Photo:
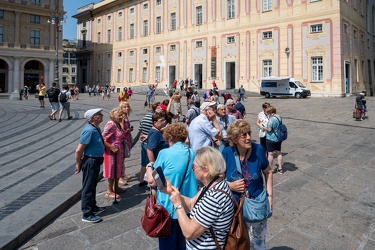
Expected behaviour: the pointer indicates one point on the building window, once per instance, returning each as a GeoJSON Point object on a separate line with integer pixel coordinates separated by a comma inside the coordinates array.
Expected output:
{"type": "Point", "coordinates": [119, 34]}
{"type": "Point", "coordinates": [109, 18]}
{"type": "Point", "coordinates": [73, 61]}
{"type": "Point", "coordinates": [118, 75]}
{"type": "Point", "coordinates": [73, 70]}
{"type": "Point", "coordinates": [109, 36]}
{"type": "Point", "coordinates": [173, 21]}
{"type": "Point", "coordinates": [199, 44]}
{"type": "Point", "coordinates": [99, 37]}
{"type": "Point", "coordinates": [119, 54]}
{"type": "Point", "coordinates": [267, 35]}
{"type": "Point", "coordinates": [199, 15]}
{"type": "Point", "coordinates": [84, 40]}
{"type": "Point", "coordinates": [132, 31]}
{"type": "Point", "coordinates": [355, 34]}
{"type": "Point", "coordinates": [231, 39]}
{"type": "Point", "coordinates": [64, 79]}
{"type": "Point", "coordinates": [345, 28]}
{"type": "Point", "coordinates": [120, 14]}
{"type": "Point", "coordinates": [1, 14]}
{"type": "Point", "coordinates": [157, 74]}
{"type": "Point", "coordinates": [108, 55]}
{"type": "Point", "coordinates": [1, 34]}
{"type": "Point", "coordinates": [99, 20]}
{"type": "Point", "coordinates": [267, 68]}
{"type": "Point", "coordinates": [316, 28]}
{"type": "Point", "coordinates": [267, 5]}
{"type": "Point", "coordinates": [230, 9]}
{"type": "Point", "coordinates": [158, 25]}
{"type": "Point", "coordinates": [131, 10]}
{"type": "Point", "coordinates": [158, 49]}
{"type": "Point", "coordinates": [108, 75]}
{"type": "Point", "coordinates": [317, 68]}
{"type": "Point", "coordinates": [158, 2]}
{"type": "Point", "coordinates": [131, 53]}
{"type": "Point", "coordinates": [34, 19]}
{"type": "Point", "coordinates": [35, 37]}
{"type": "Point", "coordinates": [131, 72]}
{"type": "Point", "coordinates": [98, 78]}
{"type": "Point", "coordinates": [173, 47]}
{"type": "Point", "coordinates": [145, 28]}
{"type": "Point", "coordinates": [145, 6]}
{"type": "Point", "coordinates": [35, 2]}
{"type": "Point", "coordinates": [73, 79]}
{"type": "Point", "coordinates": [65, 55]}
{"type": "Point", "coordinates": [144, 75]}
{"type": "Point", "coordinates": [65, 61]}
{"type": "Point", "coordinates": [73, 55]}
{"type": "Point", "coordinates": [66, 70]}
{"type": "Point", "coordinates": [98, 57]}
{"type": "Point", "coordinates": [145, 51]}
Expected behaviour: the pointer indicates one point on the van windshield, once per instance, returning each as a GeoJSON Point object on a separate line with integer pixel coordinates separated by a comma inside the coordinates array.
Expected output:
{"type": "Point", "coordinates": [299, 84]}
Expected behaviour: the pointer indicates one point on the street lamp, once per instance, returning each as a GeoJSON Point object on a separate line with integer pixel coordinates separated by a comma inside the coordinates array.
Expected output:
{"type": "Point", "coordinates": [58, 20]}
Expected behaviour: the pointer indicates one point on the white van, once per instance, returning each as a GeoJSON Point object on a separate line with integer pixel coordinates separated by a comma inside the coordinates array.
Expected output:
{"type": "Point", "coordinates": [283, 86]}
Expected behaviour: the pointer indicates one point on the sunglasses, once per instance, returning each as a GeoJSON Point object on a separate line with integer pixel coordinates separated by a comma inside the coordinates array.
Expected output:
{"type": "Point", "coordinates": [244, 135]}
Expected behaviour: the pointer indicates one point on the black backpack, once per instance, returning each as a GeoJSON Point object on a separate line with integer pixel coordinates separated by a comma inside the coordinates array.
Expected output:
{"type": "Point", "coordinates": [63, 97]}
{"type": "Point", "coordinates": [51, 92]}
{"type": "Point", "coordinates": [282, 131]}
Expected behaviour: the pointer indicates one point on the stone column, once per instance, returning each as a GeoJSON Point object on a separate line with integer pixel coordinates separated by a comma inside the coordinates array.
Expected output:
{"type": "Point", "coordinates": [15, 84]}
{"type": "Point", "coordinates": [17, 28]}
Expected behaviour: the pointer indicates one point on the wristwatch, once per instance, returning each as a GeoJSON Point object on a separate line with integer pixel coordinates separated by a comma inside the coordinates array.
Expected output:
{"type": "Point", "coordinates": [178, 207]}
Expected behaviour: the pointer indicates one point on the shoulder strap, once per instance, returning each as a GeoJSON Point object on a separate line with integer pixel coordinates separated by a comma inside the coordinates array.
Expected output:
{"type": "Point", "coordinates": [187, 166]}
{"type": "Point", "coordinates": [195, 110]}
{"type": "Point", "coordinates": [237, 159]}
{"type": "Point", "coordinates": [281, 122]}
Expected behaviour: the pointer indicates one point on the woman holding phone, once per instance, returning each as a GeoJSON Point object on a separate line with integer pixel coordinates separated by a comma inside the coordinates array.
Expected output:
{"type": "Point", "coordinates": [174, 162]}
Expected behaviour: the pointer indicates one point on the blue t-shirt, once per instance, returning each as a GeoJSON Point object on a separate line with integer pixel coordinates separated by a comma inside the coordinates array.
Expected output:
{"type": "Point", "coordinates": [173, 161]}
{"type": "Point", "coordinates": [274, 124]}
{"type": "Point", "coordinates": [150, 92]}
{"type": "Point", "coordinates": [156, 142]}
{"type": "Point", "coordinates": [252, 170]}
{"type": "Point", "coordinates": [91, 137]}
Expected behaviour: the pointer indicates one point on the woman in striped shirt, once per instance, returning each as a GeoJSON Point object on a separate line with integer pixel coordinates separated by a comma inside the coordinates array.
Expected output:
{"type": "Point", "coordinates": [210, 207]}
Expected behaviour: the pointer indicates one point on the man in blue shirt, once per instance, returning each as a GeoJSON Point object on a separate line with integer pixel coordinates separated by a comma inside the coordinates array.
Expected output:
{"type": "Point", "coordinates": [89, 157]}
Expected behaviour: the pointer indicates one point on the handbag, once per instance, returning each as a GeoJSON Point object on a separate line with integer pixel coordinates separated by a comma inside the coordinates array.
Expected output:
{"type": "Point", "coordinates": [262, 133]}
{"type": "Point", "coordinates": [238, 236]}
{"type": "Point", "coordinates": [127, 149]}
{"type": "Point", "coordinates": [146, 103]}
{"type": "Point", "coordinates": [254, 209]}
{"type": "Point", "coordinates": [257, 209]}
{"type": "Point", "coordinates": [157, 220]}
{"type": "Point", "coordinates": [356, 114]}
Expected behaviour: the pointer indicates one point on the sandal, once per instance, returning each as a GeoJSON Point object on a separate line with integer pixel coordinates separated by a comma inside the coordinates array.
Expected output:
{"type": "Point", "coordinates": [120, 190]}
{"type": "Point", "coordinates": [123, 182]}
{"type": "Point", "coordinates": [112, 196]}
{"type": "Point", "coordinates": [50, 117]}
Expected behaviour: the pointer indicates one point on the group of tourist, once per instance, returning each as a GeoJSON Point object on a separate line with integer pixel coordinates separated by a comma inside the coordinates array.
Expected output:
{"type": "Point", "coordinates": [198, 158]}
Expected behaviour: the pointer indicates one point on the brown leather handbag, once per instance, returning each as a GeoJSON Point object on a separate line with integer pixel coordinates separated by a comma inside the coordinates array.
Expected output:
{"type": "Point", "coordinates": [238, 236]}
{"type": "Point", "coordinates": [157, 221]}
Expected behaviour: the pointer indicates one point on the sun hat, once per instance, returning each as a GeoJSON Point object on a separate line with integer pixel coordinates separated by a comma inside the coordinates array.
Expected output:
{"type": "Point", "coordinates": [89, 113]}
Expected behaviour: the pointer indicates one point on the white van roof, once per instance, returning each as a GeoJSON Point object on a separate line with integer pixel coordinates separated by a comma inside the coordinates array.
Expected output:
{"type": "Point", "coordinates": [274, 78]}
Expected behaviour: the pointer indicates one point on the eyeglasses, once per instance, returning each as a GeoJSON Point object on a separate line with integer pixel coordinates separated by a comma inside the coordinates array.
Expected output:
{"type": "Point", "coordinates": [194, 167]}
{"type": "Point", "coordinates": [244, 135]}
{"type": "Point", "coordinates": [230, 105]}
{"type": "Point", "coordinates": [161, 120]}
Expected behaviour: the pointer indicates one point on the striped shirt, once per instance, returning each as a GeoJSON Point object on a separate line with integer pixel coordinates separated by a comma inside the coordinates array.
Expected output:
{"type": "Point", "coordinates": [214, 209]}
{"type": "Point", "coordinates": [146, 123]}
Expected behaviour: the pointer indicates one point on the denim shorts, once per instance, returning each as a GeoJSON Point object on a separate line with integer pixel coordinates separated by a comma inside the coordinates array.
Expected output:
{"type": "Point", "coordinates": [144, 157]}
{"type": "Point", "coordinates": [55, 105]}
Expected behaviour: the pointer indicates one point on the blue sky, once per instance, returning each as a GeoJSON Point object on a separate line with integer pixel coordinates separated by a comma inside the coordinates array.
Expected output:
{"type": "Point", "coordinates": [71, 8]}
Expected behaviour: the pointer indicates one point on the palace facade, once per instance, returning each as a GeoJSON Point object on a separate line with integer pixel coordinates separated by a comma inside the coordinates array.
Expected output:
{"type": "Point", "coordinates": [328, 45]}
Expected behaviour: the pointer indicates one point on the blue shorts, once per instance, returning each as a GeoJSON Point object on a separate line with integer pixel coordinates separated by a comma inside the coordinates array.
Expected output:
{"type": "Point", "coordinates": [55, 105]}
{"type": "Point", "coordinates": [144, 157]}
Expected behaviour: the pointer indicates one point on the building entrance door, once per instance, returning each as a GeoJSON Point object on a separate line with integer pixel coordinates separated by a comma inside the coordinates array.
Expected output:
{"type": "Point", "coordinates": [230, 75]}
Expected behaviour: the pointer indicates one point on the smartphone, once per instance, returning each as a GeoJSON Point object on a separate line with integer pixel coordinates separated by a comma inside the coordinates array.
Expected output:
{"type": "Point", "coordinates": [159, 177]}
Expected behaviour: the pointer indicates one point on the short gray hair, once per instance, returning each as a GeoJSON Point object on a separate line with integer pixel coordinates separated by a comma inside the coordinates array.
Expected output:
{"type": "Point", "coordinates": [212, 159]}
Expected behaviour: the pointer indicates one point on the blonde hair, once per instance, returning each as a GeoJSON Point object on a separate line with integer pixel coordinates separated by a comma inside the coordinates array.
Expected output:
{"type": "Point", "coordinates": [113, 111]}
{"type": "Point", "coordinates": [236, 128]}
{"type": "Point", "coordinates": [212, 159]}
{"type": "Point", "coordinates": [271, 110]}
{"type": "Point", "coordinates": [125, 103]}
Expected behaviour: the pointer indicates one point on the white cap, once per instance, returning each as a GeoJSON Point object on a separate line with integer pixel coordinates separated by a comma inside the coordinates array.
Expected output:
{"type": "Point", "coordinates": [229, 101]}
{"type": "Point", "coordinates": [89, 113]}
{"type": "Point", "coordinates": [206, 105]}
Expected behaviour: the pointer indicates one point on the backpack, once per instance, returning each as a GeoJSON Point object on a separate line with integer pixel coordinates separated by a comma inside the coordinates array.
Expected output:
{"type": "Point", "coordinates": [51, 92]}
{"type": "Point", "coordinates": [204, 95]}
{"type": "Point", "coordinates": [282, 131]}
{"type": "Point", "coordinates": [63, 97]}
